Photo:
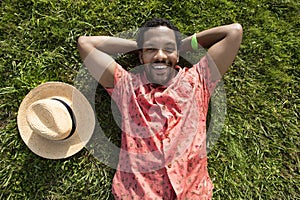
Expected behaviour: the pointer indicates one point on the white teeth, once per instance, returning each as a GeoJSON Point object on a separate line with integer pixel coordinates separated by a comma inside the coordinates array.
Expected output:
{"type": "Point", "coordinates": [160, 67]}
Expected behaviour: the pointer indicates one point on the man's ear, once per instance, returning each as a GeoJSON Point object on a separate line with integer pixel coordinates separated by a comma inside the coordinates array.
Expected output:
{"type": "Point", "coordinates": [141, 57]}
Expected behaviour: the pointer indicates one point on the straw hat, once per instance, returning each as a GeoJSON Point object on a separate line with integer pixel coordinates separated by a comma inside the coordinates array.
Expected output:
{"type": "Point", "coordinates": [55, 120]}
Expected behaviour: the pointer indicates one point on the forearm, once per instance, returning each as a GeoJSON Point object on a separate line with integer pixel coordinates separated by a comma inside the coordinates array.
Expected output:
{"type": "Point", "coordinates": [105, 44]}
{"type": "Point", "coordinates": [208, 38]}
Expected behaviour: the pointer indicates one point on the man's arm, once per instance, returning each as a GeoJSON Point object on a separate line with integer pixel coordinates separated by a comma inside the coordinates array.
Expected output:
{"type": "Point", "coordinates": [222, 43]}
{"type": "Point", "coordinates": [96, 52]}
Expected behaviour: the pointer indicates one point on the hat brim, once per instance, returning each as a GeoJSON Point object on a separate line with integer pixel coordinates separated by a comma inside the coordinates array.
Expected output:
{"type": "Point", "coordinates": [83, 112]}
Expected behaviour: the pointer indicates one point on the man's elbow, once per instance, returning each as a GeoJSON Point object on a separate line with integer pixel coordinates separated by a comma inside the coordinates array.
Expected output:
{"type": "Point", "coordinates": [82, 41]}
{"type": "Point", "coordinates": [237, 29]}
{"type": "Point", "coordinates": [83, 46]}
{"type": "Point", "coordinates": [235, 33]}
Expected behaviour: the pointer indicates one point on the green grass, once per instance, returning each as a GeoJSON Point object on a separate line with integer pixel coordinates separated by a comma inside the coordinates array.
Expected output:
{"type": "Point", "coordinates": [257, 155]}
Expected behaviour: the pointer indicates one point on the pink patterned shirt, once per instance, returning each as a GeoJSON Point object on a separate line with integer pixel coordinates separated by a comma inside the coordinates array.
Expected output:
{"type": "Point", "coordinates": [163, 148]}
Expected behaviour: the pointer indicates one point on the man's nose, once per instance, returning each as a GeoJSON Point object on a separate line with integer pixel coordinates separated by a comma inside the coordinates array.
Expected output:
{"type": "Point", "coordinates": [160, 54]}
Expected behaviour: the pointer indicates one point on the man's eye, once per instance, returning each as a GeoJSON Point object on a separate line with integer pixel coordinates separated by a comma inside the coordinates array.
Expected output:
{"type": "Point", "coordinates": [150, 49]}
{"type": "Point", "coordinates": [170, 50]}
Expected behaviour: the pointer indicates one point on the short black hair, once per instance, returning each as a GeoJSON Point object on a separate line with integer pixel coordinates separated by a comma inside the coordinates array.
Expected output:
{"type": "Point", "coordinates": [155, 22]}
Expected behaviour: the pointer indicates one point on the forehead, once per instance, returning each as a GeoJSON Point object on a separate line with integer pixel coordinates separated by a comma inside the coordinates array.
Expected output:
{"type": "Point", "coordinates": [159, 35]}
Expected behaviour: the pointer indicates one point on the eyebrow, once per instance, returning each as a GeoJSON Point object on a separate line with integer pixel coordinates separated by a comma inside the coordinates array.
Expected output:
{"type": "Point", "coordinates": [152, 44]}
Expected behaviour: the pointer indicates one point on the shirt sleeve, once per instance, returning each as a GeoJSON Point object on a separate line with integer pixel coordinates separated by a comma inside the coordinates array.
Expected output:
{"type": "Point", "coordinates": [118, 74]}
{"type": "Point", "coordinates": [204, 70]}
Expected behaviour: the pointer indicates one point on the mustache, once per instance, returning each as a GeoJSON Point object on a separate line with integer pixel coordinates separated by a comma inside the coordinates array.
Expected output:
{"type": "Point", "coordinates": [161, 62]}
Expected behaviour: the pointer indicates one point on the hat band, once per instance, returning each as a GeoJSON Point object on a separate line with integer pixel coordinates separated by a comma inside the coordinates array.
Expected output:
{"type": "Point", "coordinates": [71, 115]}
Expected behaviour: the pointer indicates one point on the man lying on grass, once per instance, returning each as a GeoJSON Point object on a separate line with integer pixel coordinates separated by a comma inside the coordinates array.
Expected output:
{"type": "Point", "coordinates": [163, 106]}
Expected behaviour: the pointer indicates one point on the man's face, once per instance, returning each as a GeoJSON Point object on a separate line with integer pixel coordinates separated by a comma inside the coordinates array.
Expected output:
{"type": "Point", "coordinates": [159, 54]}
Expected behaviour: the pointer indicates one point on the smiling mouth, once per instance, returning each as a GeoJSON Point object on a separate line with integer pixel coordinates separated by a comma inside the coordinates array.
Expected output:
{"type": "Point", "coordinates": [159, 66]}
